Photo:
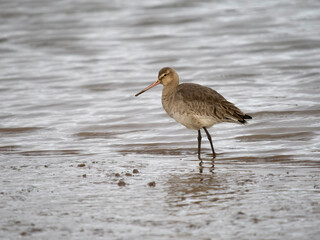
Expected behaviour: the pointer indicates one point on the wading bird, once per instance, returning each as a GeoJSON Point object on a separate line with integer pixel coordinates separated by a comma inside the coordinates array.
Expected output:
{"type": "Point", "coordinates": [195, 106]}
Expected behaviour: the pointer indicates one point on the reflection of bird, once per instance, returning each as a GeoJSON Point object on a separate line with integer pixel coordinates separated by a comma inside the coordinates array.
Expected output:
{"type": "Point", "coordinates": [195, 106]}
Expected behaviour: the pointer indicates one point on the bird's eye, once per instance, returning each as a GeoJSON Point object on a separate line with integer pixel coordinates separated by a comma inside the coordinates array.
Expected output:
{"type": "Point", "coordinates": [165, 75]}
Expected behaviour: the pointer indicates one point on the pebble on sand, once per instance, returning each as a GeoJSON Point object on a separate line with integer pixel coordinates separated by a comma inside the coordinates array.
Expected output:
{"type": "Point", "coordinates": [121, 183]}
{"type": "Point", "coordinates": [152, 184]}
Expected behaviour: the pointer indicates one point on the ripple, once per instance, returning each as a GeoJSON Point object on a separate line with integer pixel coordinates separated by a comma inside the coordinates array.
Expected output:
{"type": "Point", "coordinates": [50, 152]}
{"type": "Point", "coordinates": [298, 136]}
{"type": "Point", "coordinates": [19, 130]}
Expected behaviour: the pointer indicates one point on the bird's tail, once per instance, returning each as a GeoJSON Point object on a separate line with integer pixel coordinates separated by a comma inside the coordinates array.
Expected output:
{"type": "Point", "coordinates": [243, 117]}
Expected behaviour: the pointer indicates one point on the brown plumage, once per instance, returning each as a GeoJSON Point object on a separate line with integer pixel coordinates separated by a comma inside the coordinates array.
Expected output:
{"type": "Point", "coordinates": [195, 106]}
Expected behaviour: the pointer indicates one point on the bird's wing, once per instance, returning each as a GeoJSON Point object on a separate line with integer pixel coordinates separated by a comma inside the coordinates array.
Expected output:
{"type": "Point", "coordinates": [205, 101]}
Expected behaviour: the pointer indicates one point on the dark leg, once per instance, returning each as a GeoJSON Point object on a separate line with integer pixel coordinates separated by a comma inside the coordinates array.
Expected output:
{"type": "Point", "coordinates": [199, 144]}
{"type": "Point", "coordinates": [210, 140]}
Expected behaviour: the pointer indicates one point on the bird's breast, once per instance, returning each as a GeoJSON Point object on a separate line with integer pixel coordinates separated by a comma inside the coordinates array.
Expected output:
{"type": "Point", "coordinates": [168, 105]}
{"type": "Point", "coordinates": [184, 115]}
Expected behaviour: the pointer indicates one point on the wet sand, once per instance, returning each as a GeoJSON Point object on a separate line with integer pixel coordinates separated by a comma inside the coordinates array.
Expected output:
{"type": "Point", "coordinates": [81, 157]}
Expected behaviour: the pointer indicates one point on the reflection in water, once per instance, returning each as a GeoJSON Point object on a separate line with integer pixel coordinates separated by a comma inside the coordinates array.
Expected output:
{"type": "Point", "coordinates": [191, 188]}
{"type": "Point", "coordinates": [206, 189]}
{"type": "Point", "coordinates": [201, 166]}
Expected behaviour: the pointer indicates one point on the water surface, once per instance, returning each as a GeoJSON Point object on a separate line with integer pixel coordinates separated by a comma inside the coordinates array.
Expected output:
{"type": "Point", "coordinates": [81, 157]}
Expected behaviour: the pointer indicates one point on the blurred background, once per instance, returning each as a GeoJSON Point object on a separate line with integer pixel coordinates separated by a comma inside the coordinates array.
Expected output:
{"type": "Point", "coordinates": [81, 157]}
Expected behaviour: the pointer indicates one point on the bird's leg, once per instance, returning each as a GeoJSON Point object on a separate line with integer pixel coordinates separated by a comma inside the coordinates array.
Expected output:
{"type": "Point", "coordinates": [210, 140]}
{"type": "Point", "coordinates": [199, 145]}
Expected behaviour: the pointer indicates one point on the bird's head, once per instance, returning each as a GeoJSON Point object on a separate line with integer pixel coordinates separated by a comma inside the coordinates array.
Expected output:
{"type": "Point", "coordinates": [167, 76]}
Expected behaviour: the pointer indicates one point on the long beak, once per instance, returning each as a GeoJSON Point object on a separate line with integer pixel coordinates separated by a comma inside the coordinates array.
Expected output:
{"type": "Point", "coordinates": [147, 88]}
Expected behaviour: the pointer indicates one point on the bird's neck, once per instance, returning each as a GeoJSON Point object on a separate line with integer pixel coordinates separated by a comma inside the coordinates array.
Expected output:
{"type": "Point", "coordinates": [168, 91]}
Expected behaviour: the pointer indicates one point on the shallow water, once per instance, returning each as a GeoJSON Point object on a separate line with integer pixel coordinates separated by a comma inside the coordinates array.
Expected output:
{"type": "Point", "coordinates": [81, 157]}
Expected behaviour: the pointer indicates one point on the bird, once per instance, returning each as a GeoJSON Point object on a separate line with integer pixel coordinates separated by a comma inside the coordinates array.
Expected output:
{"type": "Point", "coordinates": [195, 106]}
